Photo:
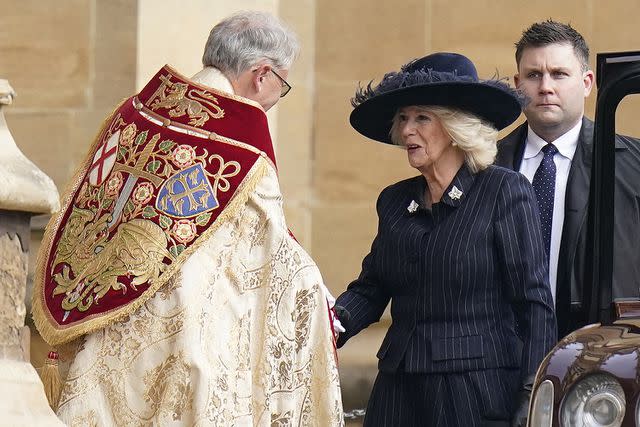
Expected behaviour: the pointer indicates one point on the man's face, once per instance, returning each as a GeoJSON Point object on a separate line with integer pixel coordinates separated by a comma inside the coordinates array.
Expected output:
{"type": "Point", "coordinates": [556, 84]}
{"type": "Point", "coordinates": [272, 88]}
{"type": "Point", "coordinates": [260, 84]}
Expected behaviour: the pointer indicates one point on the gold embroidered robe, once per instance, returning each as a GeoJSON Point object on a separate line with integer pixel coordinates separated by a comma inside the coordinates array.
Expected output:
{"type": "Point", "coordinates": [240, 335]}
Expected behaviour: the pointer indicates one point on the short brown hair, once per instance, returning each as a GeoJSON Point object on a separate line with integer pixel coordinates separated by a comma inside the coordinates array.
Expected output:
{"type": "Point", "coordinates": [550, 32]}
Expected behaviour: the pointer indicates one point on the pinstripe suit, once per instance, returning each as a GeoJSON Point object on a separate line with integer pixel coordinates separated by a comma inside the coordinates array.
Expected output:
{"type": "Point", "coordinates": [465, 280]}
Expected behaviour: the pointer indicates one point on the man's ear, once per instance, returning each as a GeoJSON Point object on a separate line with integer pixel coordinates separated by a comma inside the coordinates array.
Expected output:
{"type": "Point", "coordinates": [588, 79]}
{"type": "Point", "coordinates": [259, 75]}
{"type": "Point", "coordinates": [516, 79]}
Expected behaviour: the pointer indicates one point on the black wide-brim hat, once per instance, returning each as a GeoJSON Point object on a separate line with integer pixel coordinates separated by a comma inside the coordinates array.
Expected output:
{"type": "Point", "coordinates": [442, 79]}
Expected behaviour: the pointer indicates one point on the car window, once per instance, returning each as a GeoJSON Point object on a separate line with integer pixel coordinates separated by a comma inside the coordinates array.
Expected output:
{"type": "Point", "coordinates": [626, 243]}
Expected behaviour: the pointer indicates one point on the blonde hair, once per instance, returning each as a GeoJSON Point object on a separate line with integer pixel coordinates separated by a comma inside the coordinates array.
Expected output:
{"type": "Point", "coordinates": [477, 138]}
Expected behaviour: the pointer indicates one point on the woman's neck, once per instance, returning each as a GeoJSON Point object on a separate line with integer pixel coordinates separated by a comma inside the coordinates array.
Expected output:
{"type": "Point", "coordinates": [440, 174]}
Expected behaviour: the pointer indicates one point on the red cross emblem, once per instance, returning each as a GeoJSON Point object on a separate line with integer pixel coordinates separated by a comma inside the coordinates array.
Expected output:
{"type": "Point", "coordinates": [104, 160]}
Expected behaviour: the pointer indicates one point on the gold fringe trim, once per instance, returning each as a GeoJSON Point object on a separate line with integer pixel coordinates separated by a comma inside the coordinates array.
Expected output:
{"type": "Point", "coordinates": [39, 312]}
{"type": "Point", "coordinates": [55, 336]}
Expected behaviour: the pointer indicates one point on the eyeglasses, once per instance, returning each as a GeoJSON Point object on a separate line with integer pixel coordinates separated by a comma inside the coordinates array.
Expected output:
{"type": "Point", "coordinates": [285, 87]}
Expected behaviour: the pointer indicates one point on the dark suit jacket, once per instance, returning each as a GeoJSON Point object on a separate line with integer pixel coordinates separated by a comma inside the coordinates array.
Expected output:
{"type": "Point", "coordinates": [571, 263]}
{"type": "Point", "coordinates": [458, 277]}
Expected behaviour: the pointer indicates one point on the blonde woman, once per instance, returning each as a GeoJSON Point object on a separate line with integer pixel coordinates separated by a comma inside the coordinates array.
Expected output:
{"type": "Point", "coordinates": [459, 254]}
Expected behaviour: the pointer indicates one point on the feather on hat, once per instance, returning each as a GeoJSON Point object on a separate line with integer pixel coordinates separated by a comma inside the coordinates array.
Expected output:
{"type": "Point", "coordinates": [443, 79]}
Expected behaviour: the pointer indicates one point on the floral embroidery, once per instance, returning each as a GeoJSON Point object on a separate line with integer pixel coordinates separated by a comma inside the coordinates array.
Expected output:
{"type": "Point", "coordinates": [169, 382]}
{"type": "Point", "coordinates": [143, 193]}
{"type": "Point", "coordinates": [184, 230]}
{"type": "Point", "coordinates": [282, 419]}
{"type": "Point", "coordinates": [114, 184]}
{"type": "Point", "coordinates": [128, 135]}
{"type": "Point", "coordinates": [294, 383]}
{"type": "Point", "coordinates": [183, 156]}
{"type": "Point", "coordinates": [86, 420]}
{"type": "Point", "coordinates": [302, 316]}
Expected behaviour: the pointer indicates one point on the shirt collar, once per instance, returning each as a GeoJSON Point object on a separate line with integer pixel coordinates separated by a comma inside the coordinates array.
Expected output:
{"type": "Point", "coordinates": [566, 143]}
{"type": "Point", "coordinates": [213, 77]}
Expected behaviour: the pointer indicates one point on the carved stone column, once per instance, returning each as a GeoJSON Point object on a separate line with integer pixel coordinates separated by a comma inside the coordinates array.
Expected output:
{"type": "Point", "coordinates": [24, 190]}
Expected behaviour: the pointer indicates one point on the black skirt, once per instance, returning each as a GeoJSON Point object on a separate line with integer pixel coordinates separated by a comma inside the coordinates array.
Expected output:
{"type": "Point", "coordinates": [465, 399]}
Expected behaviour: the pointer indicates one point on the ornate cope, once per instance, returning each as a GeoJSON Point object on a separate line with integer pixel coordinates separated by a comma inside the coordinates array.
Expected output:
{"type": "Point", "coordinates": [166, 168]}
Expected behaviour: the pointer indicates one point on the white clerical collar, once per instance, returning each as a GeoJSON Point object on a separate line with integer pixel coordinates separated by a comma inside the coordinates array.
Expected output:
{"type": "Point", "coordinates": [212, 77]}
{"type": "Point", "coordinates": [566, 144]}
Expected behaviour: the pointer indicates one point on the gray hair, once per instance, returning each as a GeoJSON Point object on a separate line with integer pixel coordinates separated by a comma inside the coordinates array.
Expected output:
{"type": "Point", "coordinates": [477, 138]}
{"type": "Point", "coordinates": [241, 40]}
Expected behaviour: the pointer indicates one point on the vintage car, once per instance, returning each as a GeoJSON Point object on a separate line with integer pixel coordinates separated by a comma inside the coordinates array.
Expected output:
{"type": "Point", "coordinates": [592, 376]}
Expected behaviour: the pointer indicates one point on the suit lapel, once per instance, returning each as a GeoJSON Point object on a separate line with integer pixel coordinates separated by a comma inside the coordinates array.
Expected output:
{"type": "Point", "coordinates": [511, 148]}
{"type": "Point", "coordinates": [575, 210]}
{"type": "Point", "coordinates": [510, 152]}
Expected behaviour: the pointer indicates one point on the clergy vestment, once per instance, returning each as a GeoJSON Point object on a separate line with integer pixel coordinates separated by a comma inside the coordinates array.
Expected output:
{"type": "Point", "coordinates": [171, 281]}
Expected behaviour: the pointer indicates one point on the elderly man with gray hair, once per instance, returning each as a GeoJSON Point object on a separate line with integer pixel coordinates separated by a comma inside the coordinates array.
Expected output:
{"type": "Point", "coordinates": [169, 281]}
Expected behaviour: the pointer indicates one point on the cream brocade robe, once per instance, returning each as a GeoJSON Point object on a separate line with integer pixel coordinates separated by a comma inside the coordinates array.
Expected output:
{"type": "Point", "coordinates": [241, 337]}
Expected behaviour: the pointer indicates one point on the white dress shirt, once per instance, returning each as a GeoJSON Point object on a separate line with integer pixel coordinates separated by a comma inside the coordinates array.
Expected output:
{"type": "Point", "coordinates": [531, 159]}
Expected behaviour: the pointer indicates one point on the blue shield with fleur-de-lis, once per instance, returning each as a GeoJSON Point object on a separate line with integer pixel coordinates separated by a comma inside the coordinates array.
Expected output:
{"type": "Point", "coordinates": [187, 193]}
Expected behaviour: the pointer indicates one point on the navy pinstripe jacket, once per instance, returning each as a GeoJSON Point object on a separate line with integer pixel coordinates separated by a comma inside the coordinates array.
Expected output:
{"type": "Point", "coordinates": [467, 280]}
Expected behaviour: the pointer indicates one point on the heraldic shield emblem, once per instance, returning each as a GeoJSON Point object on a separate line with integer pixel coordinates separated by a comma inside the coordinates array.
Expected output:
{"type": "Point", "coordinates": [150, 191]}
{"type": "Point", "coordinates": [103, 160]}
{"type": "Point", "coordinates": [187, 193]}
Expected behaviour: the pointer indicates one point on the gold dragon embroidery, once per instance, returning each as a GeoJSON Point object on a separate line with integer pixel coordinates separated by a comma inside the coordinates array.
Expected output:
{"type": "Point", "coordinates": [176, 98]}
{"type": "Point", "coordinates": [92, 263]}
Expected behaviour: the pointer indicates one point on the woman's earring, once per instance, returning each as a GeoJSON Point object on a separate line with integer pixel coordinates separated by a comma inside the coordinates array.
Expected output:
{"type": "Point", "coordinates": [454, 144]}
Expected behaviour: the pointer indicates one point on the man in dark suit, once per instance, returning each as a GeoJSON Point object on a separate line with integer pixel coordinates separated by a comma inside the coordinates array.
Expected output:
{"type": "Point", "coordinates": [554, 73]}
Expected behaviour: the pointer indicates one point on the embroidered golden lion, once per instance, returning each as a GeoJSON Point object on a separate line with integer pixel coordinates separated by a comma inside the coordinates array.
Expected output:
{"type": "Point", "coordinates": [179, 103]}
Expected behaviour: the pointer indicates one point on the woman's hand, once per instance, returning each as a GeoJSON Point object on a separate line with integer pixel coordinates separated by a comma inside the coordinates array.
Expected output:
{"type": "Point", "coordinates": [340, 319]}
